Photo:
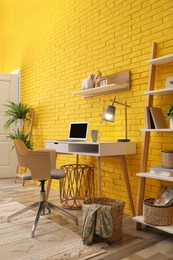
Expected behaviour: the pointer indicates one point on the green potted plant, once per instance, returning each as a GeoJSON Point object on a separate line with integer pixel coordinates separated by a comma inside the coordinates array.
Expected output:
{"type": "Point", "coordinates": [170, 115]}
{"type": "Point", "coordinates": [22, 136]}
{"type": "Point", "coordinates": [17, 112]}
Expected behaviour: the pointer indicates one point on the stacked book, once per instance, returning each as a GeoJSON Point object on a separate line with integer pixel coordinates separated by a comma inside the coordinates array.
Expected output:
{"type": "Point", "coordinates": [159, 170]}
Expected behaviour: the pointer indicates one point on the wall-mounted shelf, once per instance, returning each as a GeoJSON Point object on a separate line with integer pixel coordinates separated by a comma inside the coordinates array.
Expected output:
{"type": "Point", "coordinates": [101, 90]}
{"type": "Point", "coordinates": [115, 82]}
{"type": "Point", "coordinates": [164, 91]}
{"type": "Point", "coordinates": [162, 60]}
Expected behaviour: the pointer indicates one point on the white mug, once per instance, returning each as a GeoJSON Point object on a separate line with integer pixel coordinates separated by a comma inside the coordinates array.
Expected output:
{"type": "Point", "coordinates": [95, 135]}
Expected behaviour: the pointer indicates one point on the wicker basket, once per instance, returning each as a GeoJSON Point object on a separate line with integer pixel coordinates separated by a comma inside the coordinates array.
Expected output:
{"type": "Point", "coordinates": [167, 159]}
{"type": "Point", "coordinates": [117, 208]}
{"type": "Point", "coordinates": [157, 215]}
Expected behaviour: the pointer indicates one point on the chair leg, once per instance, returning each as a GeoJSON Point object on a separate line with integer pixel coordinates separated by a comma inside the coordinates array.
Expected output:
{"type": "Point", "coordinates": [22, 211]}
{"type": "Point", "coordinates": [40, 208]}
{"type": "Point", "coordinates": [54, 207]}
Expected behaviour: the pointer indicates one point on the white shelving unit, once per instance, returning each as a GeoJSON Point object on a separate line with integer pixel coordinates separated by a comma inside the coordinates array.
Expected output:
{"type": "Point", "coordinates": [101, 90]}
{"type": "Point", "coordinates": [144, 158]}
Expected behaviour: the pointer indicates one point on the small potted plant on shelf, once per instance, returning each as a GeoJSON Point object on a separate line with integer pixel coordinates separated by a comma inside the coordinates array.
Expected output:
{"type": "Point", "coordinates": [170, 115]}
{"type": "Point", "coordinates": [18, 114]}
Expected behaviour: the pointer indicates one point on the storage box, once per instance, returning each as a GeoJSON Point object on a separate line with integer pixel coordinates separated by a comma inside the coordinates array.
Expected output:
{"type": "Point", "coordinates": [157, 215]}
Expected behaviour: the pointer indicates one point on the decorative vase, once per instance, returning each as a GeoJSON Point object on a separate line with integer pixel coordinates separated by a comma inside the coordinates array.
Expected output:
{"type": "Point", "coordinates": [171, 123]}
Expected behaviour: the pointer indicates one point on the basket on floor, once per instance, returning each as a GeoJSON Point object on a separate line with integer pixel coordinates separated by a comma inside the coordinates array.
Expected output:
{"type": "Point", "coordinates": [117, 208]}
{"type": "Point", "coordinates": [157, 215]}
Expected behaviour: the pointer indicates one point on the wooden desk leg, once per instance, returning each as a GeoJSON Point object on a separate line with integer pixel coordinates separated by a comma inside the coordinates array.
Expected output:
{"type": "Point", "coordinates": [126, 178]}
{"type": "Point", "coordinates": [99, 175]}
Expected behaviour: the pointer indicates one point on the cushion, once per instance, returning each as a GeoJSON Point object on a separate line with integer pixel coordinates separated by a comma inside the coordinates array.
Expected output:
{"type": "Point", "coordinates": [57, 174]}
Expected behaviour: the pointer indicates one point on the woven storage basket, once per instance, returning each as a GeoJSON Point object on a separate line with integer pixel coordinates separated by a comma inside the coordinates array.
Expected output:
{"type": "Point", "coordinates": [167, 159]}
{"type": "Point", "coordinates": [157, 215]}
{"type": "Point", "coordinates": [117, 208]}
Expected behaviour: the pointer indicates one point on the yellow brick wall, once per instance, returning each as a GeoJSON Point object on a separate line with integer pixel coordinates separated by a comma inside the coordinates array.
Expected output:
{"type": "Point", "coordinates": [56, 44]}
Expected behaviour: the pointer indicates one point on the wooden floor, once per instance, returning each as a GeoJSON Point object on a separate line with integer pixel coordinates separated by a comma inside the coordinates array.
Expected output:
{"type": "Point", "coordinates": [147, 243]}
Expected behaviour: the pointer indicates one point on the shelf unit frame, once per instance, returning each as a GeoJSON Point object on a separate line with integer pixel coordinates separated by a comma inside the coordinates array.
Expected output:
{"type": "Point", "coordinates": [146, 139]}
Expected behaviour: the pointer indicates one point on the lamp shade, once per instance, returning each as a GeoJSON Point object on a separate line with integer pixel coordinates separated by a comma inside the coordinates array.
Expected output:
{"type": "Point", "coordinates": [109, 114]}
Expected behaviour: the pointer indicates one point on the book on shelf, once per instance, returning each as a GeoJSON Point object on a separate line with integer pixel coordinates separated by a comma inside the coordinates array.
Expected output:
{"type": "Point", "coordinates": [159, 170]}
{"type": "Point", "coordinates": [165, 198]}
{"type": "Point", "coordinates": [149, 123]}
{"type": "Point", "coordinates": [157, 117]}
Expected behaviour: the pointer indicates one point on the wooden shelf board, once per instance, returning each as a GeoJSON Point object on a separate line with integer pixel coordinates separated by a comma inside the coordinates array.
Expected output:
{"type": "Point", "coordinates": [101, 90]}
{"type": "Point", "coordinates": [140, 219]}
{"type": "Point", "coordinates": [157, 130]}
{"type": "Point", "coordinates": [164, 91]}
{"type": "Point", "coordinates": [154, 176]}
{"type": "Point", "coordinates": [162, 60]}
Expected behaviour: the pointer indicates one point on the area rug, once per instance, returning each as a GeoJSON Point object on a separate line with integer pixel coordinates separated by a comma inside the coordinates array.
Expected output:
{"type": "Point", "coordinates": [51, 241]}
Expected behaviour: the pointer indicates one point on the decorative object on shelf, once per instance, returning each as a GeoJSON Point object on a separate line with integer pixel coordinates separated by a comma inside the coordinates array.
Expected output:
{"type": "Point", "coordinates": [109, 84]}
{"type": "Point", "coordinates": [169, 82]}
{"type": "Point", "coordinates": [97, 79]}
{"type": "Point", "coordinates": [109, 115]}
{"type": "Point", "coordinates": [95, 135]}
{"type": "Point", "coordinates": [19, 114]}
{"type": "Point", "coordinates": [88, 82]}
{"type": "Point", "coordinates": [170, 115]}
{"type": "Point", "coordinates": [103, 82]}
{"type": "Point", "coordinates": [167, 159]}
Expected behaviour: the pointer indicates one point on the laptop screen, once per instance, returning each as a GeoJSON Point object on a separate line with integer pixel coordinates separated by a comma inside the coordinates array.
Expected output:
{"type": "Point", "coordinates": [78, 131]}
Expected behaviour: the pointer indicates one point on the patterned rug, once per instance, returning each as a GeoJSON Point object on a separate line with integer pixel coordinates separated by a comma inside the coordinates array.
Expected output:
{"type": "Point", "coordinates": [51, 240]}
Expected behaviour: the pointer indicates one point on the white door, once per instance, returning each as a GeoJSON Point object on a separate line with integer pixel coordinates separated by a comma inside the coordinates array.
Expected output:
{"type": "Point", "coordinates": [9, 90]}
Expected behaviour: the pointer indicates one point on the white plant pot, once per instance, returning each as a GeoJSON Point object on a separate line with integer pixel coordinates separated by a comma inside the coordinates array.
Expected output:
{"type": "Point", "coordinates": [21, 122]}
{"type": "Point", "coordinates": [171, 123]}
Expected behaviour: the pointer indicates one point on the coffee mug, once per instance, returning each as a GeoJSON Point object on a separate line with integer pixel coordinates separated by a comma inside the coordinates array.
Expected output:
{"type": "Point", "coordinates": [95, 135]}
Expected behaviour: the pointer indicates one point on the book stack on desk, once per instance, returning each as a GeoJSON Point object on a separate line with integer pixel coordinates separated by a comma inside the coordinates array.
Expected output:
{"type": "Point", "coordinates": [159, 170]}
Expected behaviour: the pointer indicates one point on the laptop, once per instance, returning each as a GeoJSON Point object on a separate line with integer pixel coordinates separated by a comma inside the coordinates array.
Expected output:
{"type": "Point", "coordinates": [77, 132]}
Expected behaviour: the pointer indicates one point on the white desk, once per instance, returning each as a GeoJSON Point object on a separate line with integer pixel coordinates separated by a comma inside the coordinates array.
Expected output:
{"type": "Point", "coordinates": [99, 150]}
